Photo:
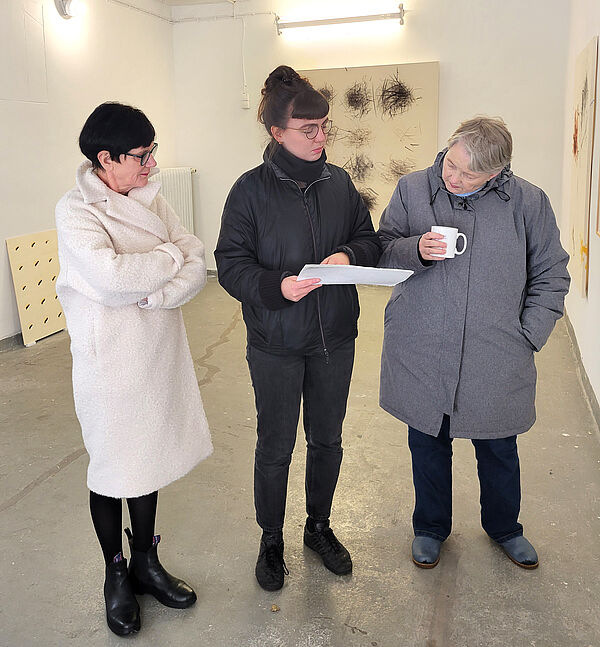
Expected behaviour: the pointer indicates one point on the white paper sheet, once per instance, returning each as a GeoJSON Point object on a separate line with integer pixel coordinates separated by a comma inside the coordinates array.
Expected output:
{"type": "Point", "coordinates": [353, 274]}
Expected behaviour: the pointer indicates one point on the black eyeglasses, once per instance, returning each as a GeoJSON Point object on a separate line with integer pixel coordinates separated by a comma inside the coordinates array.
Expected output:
{"type": "Point", "coordinates": [144, 157]}
{"type": "Point", "coordinates": [312, 130]}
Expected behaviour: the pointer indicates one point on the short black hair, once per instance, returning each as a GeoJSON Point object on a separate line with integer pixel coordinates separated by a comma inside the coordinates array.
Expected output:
{"type": "Point", "coordinates": [116, 128]}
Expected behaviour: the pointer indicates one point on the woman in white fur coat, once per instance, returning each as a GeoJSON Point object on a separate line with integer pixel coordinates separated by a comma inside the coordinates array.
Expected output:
{"type": "Point", "coordinates": [127, 265]}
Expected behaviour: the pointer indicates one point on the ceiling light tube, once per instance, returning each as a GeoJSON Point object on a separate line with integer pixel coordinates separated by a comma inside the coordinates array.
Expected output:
{"type": "Point", "coordinates": [399, 15]}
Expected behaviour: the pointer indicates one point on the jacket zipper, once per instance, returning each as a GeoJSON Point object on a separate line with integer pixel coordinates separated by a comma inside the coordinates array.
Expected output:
{"type": "Point", "coordinates": [314, 241]}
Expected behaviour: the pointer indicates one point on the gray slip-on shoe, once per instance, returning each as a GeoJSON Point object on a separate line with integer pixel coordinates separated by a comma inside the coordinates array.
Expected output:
{"type": "Point", "coordinates": [521, 552]}
{"type": "Point", "coordinates": [426, 551]}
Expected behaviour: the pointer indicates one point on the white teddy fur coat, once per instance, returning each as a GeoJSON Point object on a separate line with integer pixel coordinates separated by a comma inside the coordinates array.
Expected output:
{"type": "Point", "coordinates": [126, 267]}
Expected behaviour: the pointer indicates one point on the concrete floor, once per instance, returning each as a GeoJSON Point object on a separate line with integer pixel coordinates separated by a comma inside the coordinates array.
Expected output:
{"type": "Point", "coordinates": [51, 566]}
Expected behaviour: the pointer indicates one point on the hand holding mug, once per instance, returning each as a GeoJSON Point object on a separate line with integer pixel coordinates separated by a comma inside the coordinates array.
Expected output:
{"type": "Point", "coordinates": [449, 237]}
{"type": "Point", "coordinates": [432, 246]}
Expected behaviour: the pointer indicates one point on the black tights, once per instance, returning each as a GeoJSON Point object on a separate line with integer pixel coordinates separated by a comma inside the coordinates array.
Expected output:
{"type": "Point", "coordinates": [107, 517]}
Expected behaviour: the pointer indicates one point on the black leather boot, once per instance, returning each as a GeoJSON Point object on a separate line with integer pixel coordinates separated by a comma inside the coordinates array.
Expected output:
{"type": "Point", "coordinates": [122, 609]}
{"type": "Point", "coordinates": [319, 537]}
{"type": "Point", "coordinates": [270, 566]}
{"type": "Point", "coordinates": [148, 576]}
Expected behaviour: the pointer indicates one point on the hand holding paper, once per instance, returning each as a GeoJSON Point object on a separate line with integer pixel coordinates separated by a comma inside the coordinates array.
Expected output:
{"type": "Point", "coordinates": [293, 288]}
{"type": "Point", "coordinates": [353, 274]}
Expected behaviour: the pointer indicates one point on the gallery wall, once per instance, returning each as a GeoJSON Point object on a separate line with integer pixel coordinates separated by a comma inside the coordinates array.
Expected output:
{"type": "Point", "coordinates": [108, 53]}
{"type": "Point", "coordinates": [584, 311]}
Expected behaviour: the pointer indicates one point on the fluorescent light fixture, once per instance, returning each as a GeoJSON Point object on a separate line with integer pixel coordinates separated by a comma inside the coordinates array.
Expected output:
{"type": "Point", "coordinates": [281, 24]}
{"type": "Point", "coordinates": [67, 8]}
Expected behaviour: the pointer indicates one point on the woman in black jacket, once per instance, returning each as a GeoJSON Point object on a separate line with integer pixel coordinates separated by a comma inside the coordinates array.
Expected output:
{"type": "Point", "coordinates": [291, 210]}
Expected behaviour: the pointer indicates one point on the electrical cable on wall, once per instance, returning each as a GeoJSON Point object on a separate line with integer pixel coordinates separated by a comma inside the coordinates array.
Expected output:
{"type": "Point", "coordinates": [245, 95]}
{"type": "Point", "coordinates": [176, 21]}
{"type": "Point", "coordinates": [140, 10]}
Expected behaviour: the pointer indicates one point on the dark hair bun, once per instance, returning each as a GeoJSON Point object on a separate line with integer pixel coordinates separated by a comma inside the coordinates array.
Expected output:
{"type": "Point", "coordinates": [282, 75]}
{"type": "Point", "coordinates": [287, 94]}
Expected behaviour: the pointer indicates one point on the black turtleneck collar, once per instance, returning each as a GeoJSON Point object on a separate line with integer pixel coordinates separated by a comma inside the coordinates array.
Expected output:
{"type": "Point", "coordinates": [296, 168]}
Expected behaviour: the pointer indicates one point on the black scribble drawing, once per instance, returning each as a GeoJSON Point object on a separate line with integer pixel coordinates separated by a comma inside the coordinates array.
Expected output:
{"type": "Point", "coordinates": [409, 136]}
{"type": "Point", "coordinates": [359, 137]}
{"type": "Point", "coordinates": [395, 96]}
{"type": "Point", "coordinates": [359, 99]}
{"type": "Point", "coordinates": [369, 197]}
{"type": "Point", "coordinates": [397, 168]}
{"type": "Point", "coordinates": [328, 92]}
{"type": "Point", "coordinates": [359, 167]}
{"type": "Point", "coordinates": [384, 126]}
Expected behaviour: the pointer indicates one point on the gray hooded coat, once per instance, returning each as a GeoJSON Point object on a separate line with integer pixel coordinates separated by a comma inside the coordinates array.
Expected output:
{"type": "Point", "coordinates": [460, 333]}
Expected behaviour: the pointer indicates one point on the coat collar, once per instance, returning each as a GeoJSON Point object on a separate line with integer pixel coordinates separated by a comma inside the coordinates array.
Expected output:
{"type": "Point", "coordinates": [133, 208]}
{"type": "Point", "coordinates": [281, 175]}
{"type": "Point", "coordinates": [496, 184]}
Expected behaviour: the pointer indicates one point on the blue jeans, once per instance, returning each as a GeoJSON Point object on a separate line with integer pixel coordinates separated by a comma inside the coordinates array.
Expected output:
{"type": "Point", "coordinates": [280, 382]}
{"type": "Point", "coordinates": [499, 482]}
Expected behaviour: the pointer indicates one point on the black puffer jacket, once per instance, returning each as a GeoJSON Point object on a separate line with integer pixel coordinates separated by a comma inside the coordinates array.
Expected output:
{"type": "Point", "coordinates": [269, 230]}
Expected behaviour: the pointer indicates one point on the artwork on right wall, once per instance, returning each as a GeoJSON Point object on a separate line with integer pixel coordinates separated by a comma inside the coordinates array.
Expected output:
{"type": "Point", "coordinates": [581, 162]}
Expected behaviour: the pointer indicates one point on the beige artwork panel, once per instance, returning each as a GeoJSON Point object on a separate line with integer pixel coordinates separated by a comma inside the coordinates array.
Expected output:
{"type": "Point", "coordinates": [385, 123]}
{"type": "Point", "coordinates": [581, 163]}
{"type": "Point", "coordinates": [34, 265]}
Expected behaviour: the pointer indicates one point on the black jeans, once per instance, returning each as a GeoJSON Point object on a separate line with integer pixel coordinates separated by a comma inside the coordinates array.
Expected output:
{"type": "Point", "coordinates": [499, 482]}
{"type": "Point", "coordinates": [280, 382]}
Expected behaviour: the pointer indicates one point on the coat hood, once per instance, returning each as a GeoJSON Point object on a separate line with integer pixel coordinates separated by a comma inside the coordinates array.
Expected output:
{"type": "Point", "coordinates": [496, 184]}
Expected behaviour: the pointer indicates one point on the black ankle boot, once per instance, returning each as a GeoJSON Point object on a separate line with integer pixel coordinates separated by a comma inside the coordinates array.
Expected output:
{"type": "Point", "coordinates": [319, 537]}
{"type": "Point", "coordinates": [270, 566]}
{"type": "Point", "coordinates": [148, 576]}
{"type": "Point", "coordinates": [122, 609]}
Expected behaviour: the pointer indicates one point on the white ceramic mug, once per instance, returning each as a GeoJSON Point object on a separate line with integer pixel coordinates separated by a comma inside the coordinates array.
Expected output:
{"type": "Point", "coordinates": [450, 236]}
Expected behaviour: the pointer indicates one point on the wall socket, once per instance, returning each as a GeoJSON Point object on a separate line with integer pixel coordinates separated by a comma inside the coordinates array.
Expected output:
{"type": "Point", "coordinates": [245, 101]}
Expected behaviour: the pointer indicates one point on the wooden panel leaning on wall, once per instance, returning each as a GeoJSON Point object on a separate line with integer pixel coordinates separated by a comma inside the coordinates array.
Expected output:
{"type": "Point", "coordinates": [34, 265]}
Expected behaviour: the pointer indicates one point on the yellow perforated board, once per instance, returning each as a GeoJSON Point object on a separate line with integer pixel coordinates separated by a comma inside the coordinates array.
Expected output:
{"type": "Point", "coordinates": [34, 265]}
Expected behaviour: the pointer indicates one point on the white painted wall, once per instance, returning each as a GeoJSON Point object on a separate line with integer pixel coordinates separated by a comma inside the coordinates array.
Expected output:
{"type": "Point", "coordinates": [109, 53]}
{"type": "Point", "coordinates": [506, 59]}
{"type": "Point", "coordinates": [584, 313]}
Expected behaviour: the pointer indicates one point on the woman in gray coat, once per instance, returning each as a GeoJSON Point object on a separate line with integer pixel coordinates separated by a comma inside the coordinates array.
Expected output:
{"type": "Point", "coordinates": [460, 334]}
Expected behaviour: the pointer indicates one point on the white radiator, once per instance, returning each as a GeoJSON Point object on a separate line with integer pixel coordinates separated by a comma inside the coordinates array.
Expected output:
{"type": "Point", "coordinates": [176, 186]}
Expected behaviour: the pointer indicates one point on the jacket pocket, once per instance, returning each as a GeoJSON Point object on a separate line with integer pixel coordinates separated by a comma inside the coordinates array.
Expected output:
{"type": "Point", "coordinates": [520, 334]}
{"type": "Point", "coordinates": [264, 326]}
{"type": "Point", "coordinates": [271, 327]}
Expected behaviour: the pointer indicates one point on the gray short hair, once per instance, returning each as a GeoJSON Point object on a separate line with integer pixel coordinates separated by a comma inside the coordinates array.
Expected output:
{"type": "Point", "coordinates": [488, 142]}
